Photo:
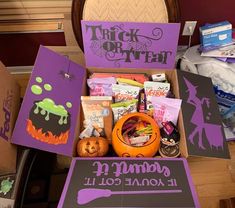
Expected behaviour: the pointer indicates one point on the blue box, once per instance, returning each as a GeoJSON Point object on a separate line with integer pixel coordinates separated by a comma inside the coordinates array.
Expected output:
{"type": "Point", "coordinates": [214, 35]}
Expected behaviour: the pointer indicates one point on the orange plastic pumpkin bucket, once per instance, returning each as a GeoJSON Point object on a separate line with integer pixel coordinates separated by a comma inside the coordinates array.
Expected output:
{"type": "Point", "coordinates": [123, 149]}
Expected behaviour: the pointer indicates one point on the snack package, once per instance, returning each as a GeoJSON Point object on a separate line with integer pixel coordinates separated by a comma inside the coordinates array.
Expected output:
{"type": "Point", "coordinates": [160, 77]}
{"type": "Point", "coordinates": [123, 81]}
{"type": "Point", "coordinates": [98, 118]}
{"type": "Point", "coordinates": [89, 131]}
{"type": "Point", "coordinates": [123, 108]}
{"type": "Point", "coordinates": [157, 89]}
{"type": "Point", "coordinates": [165, 109]}
{"type": "Point", "coordinates": [122, 93]}
{"type": "Point", "coordinates": [101, 86]}
{"type": "Point", "coordinates": [142, 103]}
{"type": "Point", "coordinates": [141, 78]}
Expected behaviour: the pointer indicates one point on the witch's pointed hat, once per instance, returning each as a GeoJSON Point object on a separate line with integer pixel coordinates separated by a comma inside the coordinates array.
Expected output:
{"type": "Point", "coordinates": [190, 86]}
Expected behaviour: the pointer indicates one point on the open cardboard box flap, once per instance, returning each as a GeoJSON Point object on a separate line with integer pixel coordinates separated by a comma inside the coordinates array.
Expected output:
{"type": "Point", "coordinates": [9, 105]}
{"type": "Point", "coordinates": [199, 120]}
{"type": "Point", "coordinates": [154, 46]}
{"type": "Point", "coordinates": [202, 122]}
{"type": "Point", "coordinates": [124, 182]}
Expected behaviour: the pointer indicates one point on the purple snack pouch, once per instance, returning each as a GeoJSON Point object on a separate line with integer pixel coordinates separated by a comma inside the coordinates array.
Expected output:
{"type": "Point", "coordinates": [165, 109]}
{"type": "Point", "coordinates": [101, 86]}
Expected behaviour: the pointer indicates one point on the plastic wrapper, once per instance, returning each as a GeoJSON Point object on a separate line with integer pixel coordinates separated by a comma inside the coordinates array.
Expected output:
{"type": "Point", "coordinates": [123, 108]}
{"type": "Point", "coordinates": [101, 86]}
{"type": "Point", "coordinates": [165, 109]}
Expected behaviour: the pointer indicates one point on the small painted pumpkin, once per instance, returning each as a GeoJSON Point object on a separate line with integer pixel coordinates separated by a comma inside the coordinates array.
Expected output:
{"type": "Point", "coordinates": [92, 147]}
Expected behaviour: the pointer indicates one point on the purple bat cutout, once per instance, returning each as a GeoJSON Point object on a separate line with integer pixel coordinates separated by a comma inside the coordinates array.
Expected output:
{"type": "Point", "coordinates": [213, 132]}
{"type": "Point", "coordinates": [89, 194]}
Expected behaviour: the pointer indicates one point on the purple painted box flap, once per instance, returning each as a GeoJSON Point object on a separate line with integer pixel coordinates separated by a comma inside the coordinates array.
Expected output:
{"type": "Point", "coordinates": [201, 118]}
{"type": "Point", "coordinates": [130, 45]}
{"type": "Point", "coordinates": [124, 182]}
{"type": "Point", "coordinates": [48, 116]}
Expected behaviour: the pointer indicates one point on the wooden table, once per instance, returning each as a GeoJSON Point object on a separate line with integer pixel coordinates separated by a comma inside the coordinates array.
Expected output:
{"type": "Point", "coordinates": [214, 179]}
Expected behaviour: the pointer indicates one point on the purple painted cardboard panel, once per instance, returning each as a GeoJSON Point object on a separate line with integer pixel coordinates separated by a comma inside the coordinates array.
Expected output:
{"type": "Point", "coordinates": [130, 45]}
{"type": "Point", "coordinates": [124, 182]}
{"type": "Point", "coordinates": [49, 112]}
{"type": "Point", "coordinates": [202, 121]}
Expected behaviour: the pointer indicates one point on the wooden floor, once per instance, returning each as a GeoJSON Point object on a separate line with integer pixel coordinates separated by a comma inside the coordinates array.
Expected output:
{"type": "Point", "coordinates": [214, 179]}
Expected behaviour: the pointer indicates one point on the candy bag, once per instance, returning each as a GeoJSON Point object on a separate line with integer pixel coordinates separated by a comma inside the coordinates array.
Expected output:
{"type": "Point", "coordinates": [165, 109]}
{"type": "Point", "coordinates": [131, 82]}
{"type": "Point", "coordinates": [101, 86]}
{"type": "Point", "coordinates": [123, 108]}
{"type": "Point", "coordinates": [157, 89]}
{"type": "Point", "coordinates": [124, 93]}
{"type": "Point", "coordinates": [141, 78]}
{"type": "Point", "coordinates": [98, 115]}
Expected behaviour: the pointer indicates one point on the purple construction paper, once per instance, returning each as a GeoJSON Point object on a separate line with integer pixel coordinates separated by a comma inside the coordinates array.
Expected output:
{"type": "Point", "coordinates": [202, 121]}
{"type": "Point", "coordinates": [67, 182]}
{"type": "Point", "coordinates": [130, 45]}
{"type": "Point", "coordinates": [70, 181]}
{"type": "Point", "coordinates": [228, 60]}
{"type": "Point", "coordinates": [190, 180]}
{"type": "Point", "coordinates": [65, 91]}
{"type": "Point", "coordinates": [224, 59]}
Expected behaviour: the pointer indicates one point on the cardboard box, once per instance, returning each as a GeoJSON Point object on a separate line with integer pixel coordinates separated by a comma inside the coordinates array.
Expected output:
{"type": "Point", "coordinates": [124, 182]}
{"type": "Point", "coordinates": [9, 106]}
{"type": "Point", "coordinates": [199, 120]}
{"type": "Point", "coordinates": [214, 35]}
{"type": "Point", "coordinates": [196, 92]}
{"type": "Point", "coordinates": [10, 203]}
{"type": "Point", "coordinates": [195, 118]}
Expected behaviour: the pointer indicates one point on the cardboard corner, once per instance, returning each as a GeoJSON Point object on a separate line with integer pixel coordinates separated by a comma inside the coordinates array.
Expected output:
{"type": "Point", "coordinates": [9, 107]}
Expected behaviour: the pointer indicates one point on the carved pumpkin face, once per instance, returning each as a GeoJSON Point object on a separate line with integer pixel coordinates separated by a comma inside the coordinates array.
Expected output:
{"type": "Point", "coordinates": [92, 147]}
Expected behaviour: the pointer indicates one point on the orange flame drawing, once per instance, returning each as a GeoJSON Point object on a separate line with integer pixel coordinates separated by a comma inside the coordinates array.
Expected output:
{"type": "Point", "coordinates": [46, 137]}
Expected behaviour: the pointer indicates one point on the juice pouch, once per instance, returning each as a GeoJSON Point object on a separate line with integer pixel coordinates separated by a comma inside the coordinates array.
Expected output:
{"type": "Point", "coordinates": [101, 86]}
{"type": "Point", "coordinates": [98, 113]}
{"type": "Point", "coordinates": [124, 93]}
{"type": "Point", "coordinates": [165, 109]}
